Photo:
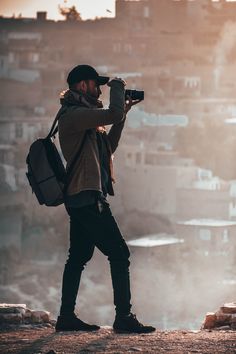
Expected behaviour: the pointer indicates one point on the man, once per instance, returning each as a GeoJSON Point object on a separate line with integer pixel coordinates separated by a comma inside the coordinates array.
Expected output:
{"type": "Point", "coordinates": [82, 125]}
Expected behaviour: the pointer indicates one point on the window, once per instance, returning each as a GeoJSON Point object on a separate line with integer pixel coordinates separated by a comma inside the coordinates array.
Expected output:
{"type": "Point", "coordinates": [151, 159]}
{"type": "Point", "coordinates": [225, 236]}
{"type": "Point", "coordinates": [129, 159]}
{"type": "Point", "coordinates": [19, 130]}
{"type": "Point", "coordinates": [34, 57]}
{"type": "Point", "coordinates": [129, 156]}
{"type": "Point", "coordinates": [138, 157]}
{"type": "Point", "coordinates": [205, 234]}
{"type": "Point", "coordinates": [146, 12]}
{"type": "Point", "coordinates": [11, 57]}
{"type": "Point", "coordinates": [2, 156]}
{"type": "Point", "coordinates": [128, 48]}
{"type": "Point", "coordinates": [116, 47]}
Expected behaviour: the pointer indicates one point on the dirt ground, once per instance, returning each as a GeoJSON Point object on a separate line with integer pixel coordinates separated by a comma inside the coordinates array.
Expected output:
{"type": "Point", "coordinates": [40, 339]}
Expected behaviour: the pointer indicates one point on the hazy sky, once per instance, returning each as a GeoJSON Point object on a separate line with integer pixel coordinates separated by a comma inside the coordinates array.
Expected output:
{"type": "Point", "coordinates": [87, 8]}
{"type": "Point", "coordinates": [28, 8]}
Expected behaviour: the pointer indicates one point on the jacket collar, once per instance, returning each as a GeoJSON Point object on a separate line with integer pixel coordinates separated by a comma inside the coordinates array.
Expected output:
{"type": "Point", "coordinates": [76, 98]}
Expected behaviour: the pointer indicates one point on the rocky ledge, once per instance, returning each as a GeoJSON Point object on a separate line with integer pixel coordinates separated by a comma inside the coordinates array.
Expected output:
{"type": "Point", "coordinates": [41, 340]}
{"type": "Point", "coordinates": [26, 331]}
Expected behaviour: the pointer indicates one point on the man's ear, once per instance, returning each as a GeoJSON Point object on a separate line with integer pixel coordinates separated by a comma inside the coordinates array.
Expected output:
{"type": "Point", "coordinates": [83, 86]}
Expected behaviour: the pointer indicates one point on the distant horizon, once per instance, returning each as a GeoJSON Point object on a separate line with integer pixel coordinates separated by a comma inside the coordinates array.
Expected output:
{"type": "Point", "coordinates": [86, 8]}
{"type": "Point", "coordinates": [29, 9]}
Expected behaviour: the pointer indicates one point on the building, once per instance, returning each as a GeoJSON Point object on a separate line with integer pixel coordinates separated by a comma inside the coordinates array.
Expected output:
{"type": "Point", "coordinates": [209, 237]}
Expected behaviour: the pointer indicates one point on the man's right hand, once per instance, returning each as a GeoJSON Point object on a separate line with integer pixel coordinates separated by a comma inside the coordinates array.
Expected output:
{"type": "Point", "coordinates": [115, 80]}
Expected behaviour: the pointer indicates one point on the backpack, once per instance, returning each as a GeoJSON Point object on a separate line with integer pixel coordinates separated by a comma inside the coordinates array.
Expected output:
{"type": "Point", "coordinates": [46, 173]}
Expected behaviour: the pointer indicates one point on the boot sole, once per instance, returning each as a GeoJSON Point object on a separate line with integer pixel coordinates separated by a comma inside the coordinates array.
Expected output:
{"type": "Point", "coordinates": [74, 329]}
{"type": "Point", "coordinates": [126, 331]}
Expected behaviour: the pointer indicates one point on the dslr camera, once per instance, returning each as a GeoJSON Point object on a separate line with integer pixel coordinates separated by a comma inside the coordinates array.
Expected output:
{"type": "Point", "coordinates": [134, 94]}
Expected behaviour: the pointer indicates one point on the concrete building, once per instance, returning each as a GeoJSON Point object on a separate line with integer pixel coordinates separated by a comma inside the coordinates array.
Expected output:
{"type": "Point", "coordinates": [213, 237]}
{"type": "Point", "coordinates": [156, 47]}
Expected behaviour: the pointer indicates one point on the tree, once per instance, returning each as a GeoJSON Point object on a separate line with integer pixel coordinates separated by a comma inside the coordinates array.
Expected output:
{"type": "Point", "coordinates": [70, 13]}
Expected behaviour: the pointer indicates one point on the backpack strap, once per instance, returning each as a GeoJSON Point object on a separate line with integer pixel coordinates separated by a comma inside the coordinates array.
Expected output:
{"type": "Point", "coordinates": [54, 128]}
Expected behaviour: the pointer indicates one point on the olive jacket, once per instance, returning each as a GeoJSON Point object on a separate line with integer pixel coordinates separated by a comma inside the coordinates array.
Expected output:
{"type": "Point", "coordinates": [74, 121]}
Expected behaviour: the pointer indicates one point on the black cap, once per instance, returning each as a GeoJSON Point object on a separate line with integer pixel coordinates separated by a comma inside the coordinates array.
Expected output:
{"type": "Point", "coordinates": [85, 72]}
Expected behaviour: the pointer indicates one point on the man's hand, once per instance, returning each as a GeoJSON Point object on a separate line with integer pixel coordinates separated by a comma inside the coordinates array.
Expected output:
{"type": "Point", "coordinates": [116, 79]}
{"type": "Point", "coordinates": [129, 103]}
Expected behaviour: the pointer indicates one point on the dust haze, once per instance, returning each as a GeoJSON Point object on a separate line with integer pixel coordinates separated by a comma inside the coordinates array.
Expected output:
{"type": "Point", "coordinates": [175, 169]}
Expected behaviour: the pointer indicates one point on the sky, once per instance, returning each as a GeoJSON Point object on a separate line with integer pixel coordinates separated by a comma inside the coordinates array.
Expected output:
{"type": "Point", "coordinates": [88, 9]}
{"type": "Point", "coordinates": [28, 8]}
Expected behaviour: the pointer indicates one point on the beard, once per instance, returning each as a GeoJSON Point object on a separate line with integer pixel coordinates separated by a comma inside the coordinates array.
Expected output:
{"type": "Point", "coordinates": [93, 93]}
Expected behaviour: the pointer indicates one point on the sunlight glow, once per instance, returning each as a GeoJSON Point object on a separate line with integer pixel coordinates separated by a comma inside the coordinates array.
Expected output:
{"type": "Point", "coordinates": [89, 9]}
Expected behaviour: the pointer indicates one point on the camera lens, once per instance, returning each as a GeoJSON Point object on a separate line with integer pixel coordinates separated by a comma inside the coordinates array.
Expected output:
{"type": "Point", "coordinates": [134, 94]}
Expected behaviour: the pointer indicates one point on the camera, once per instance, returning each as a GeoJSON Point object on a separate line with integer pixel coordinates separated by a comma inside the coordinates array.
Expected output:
{"type": "Point", "coordinates": [134, 94]}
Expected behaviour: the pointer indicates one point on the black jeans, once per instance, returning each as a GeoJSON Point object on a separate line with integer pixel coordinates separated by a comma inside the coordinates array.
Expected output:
{"type": "Point", "coordinates": [92, 226]}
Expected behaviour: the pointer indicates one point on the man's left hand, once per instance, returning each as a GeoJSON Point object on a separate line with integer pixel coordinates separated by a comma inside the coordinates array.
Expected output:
{"type": "Point", "coordinates": [129, 103]}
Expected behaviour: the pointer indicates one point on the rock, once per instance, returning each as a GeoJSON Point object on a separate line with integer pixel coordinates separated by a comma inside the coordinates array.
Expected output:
{"type": "Point", "coordinates": [40, 316]}
{"type": "Point", "coordinates": [210, 320]}
{"type": "Point", "coordinates": [48, 325]}
{"type": "Point", "coordinates": [27, 325]}
{"type": "Point", "coordinates": [233, 318]}
{"type": "Point", "coordinates": [12, 308]}
{"type": "Point", "coordinates": [233, 326]}
{"type": "Point", "coordinates": [10, 318]}
{"type": "Point", "coordinates": [27, 314]}
{"type": "Point", "coordinates": [135, 349]}
{"type": "Point", "coordinates": [229, 308]}
{"type": "Point", "coordinates": [223, 328]}
{"type": "Point", "coordinates": [15, 314]}
{"type": "Point", "coordinates": [223, 318]}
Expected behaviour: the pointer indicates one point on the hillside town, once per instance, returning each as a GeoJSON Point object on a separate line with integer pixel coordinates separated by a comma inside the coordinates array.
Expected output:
{"type": "Point", "coordinates": [171, 179]}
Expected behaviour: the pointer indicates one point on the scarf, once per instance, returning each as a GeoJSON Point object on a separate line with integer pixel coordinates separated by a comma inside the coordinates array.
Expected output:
{"type": "Point", "coordinates": [76, 98]}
